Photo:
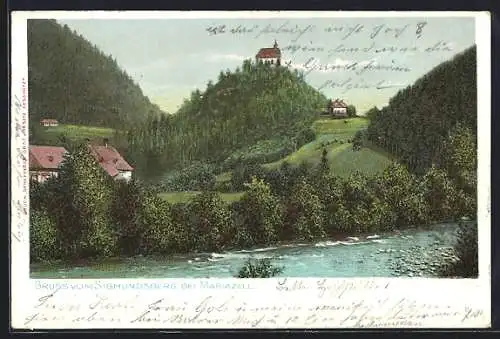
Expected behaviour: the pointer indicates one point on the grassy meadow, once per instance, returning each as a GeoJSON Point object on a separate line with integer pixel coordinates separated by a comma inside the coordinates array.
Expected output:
{"type": "Point", "coordinates": [335, 135]}
{"type": "Point", "coordinates": [79, 132]}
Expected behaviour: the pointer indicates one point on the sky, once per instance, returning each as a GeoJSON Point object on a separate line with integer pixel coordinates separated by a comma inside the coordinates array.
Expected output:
{"type": "Point", "coordinates": [363, 61]}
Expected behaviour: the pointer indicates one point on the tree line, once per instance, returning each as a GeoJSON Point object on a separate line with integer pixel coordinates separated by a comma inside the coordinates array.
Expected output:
{"type": "Point", "coordinates": [420, 118]}
{"type": "Point", "coordinates": [85, 214]}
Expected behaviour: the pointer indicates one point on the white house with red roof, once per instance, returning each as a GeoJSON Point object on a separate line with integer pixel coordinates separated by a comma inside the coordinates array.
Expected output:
{"type": "Point", "coordinates": [111, 161]}
{"type": "Point", "coordinates": [269, 55]}
{"type": "Point", "coordinates": [49, 122]}
{"type": "Point", "coordinates": [45, 161]}
{"type": "Point", "coordinates": [337, 107]}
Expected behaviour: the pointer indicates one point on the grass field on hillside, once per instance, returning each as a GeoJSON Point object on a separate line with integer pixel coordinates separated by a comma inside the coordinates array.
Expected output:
{"type": "Point", "coordinates": [182, 197]}
{"type": "Point", "coordinates": [310, 153]}
{"type": "Point", "coordinates": [333, 135]}
{"type": "Point", "coordinates": [347, 161]}
{"type": "Point", "coordinates": [340, 127]}
{"type": "Point", "coordinates": [78, 132]}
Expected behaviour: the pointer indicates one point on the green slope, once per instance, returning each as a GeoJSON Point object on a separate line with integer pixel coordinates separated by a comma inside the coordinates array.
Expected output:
{"type": "Point", "coordinates": [79, 132]}
{"type": "Point", "coordinates": [334, 136]}
{"type": "Point", "coordinates": [340, 127]}
{"type": "Point", "coordinates": [72, 81]}
{"type": "Point", "coordinates": [345, 161]}
{"type": "Point", "coordinates": [69, 135]}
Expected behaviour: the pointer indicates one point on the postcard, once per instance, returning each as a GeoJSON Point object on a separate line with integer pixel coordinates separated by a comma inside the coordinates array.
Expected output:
{"type": "Point", "coordinates": [256, 169]}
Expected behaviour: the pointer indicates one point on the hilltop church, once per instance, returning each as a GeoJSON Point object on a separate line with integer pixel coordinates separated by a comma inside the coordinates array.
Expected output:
{"type": "Point", "coordinates": [269, 55]}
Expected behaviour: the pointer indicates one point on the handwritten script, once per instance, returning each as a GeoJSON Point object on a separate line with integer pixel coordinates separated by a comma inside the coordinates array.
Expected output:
{"type": "Point", "coordinates": [365, 53]}
{"type": "Point", "coordinates": [289, 303]}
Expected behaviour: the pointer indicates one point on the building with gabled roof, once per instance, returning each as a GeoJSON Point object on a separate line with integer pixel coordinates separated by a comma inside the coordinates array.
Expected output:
{"type": "Point", "coordinates": [337, 107]}
{"type": "Point", "coordinates": [44, 162]}
{"type": "Point", "coordinates": [269, 55]}
{"type": "Point", "coordinates": [111, 161]}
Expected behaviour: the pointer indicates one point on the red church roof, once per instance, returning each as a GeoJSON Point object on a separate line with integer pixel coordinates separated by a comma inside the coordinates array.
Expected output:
{"type": "Point", "coordinates": [265, 53]}
{"type": "Point", "coordinates": [46, 157]}
{"type": "Point", "coordinates": [110, 159]}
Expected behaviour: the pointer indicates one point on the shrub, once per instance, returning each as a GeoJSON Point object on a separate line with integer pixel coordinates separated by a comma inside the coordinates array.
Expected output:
{"type": "Point", "coordinates": [160, 235]}
{"type": "Point", "coordinates": [243, 174]}
{"type": "Point", "coordinates": [440, 194]}
{"type": "Point", "coordinates": [44, 240]}
{"type": "Point", "coordinates": [180, 215]}
{"type": "Point", "coordinates": [260, 213]}
{"type": "Point", "coordinates": [458, 156]}
{"type": "Point", "coordinates": [305, 136]}
{"type": "Point", "coordinates": [283, 179]}
{"type": "Point", "coordinates": [263, 151]}
{"type": "Point", "coordinates": [466, 249]}
{"type": "Point", "coordinates": [403, 193]}
{"type": "Point", "coordinates": [304, 213]}
{"type": "Point", "coordinates": [128, 197]}
{"type": "Point", "coordinates": [259, 268]}
{"type": "Point", "coordinates": [210, 221]}
{"type": "Point", "coordinates": [197, 176]}
{"type": "Point", "coordinates": [358, 140]}
{"type": "Point", "coordinates": [351, 110]}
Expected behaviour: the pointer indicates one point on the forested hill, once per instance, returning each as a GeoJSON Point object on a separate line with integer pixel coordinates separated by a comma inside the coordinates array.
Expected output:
{"type": "Point", "coordinates": [423, 119]}
{"type": "Point", "coordinates": [253, 103]}
{"type": "Point", "coordinates": [73, 81]}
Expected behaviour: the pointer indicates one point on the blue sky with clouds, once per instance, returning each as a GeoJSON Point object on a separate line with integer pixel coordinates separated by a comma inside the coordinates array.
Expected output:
{"type": "Point", "coordinates": [365, 61]}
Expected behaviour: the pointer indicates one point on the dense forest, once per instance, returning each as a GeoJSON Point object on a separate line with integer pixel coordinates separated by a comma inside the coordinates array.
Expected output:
{"type": "Point", "coordinates": [72, 81]}
{"type": "Point", "coordinates": [249, 105]}
{"type": "Point", "coordinates": [438, 107]}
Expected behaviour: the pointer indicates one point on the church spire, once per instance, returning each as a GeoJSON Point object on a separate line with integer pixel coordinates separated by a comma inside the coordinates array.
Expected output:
{"type": "Point", "coordinates": [275, 44]}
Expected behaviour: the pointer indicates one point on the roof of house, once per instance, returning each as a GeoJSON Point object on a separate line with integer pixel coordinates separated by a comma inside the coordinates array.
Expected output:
{"type": "Point", "coordinates": [110, 159]}
{"type": "Point", "coordinates": [265, 53]}
{"type": "Point", "coordinates": [337, 103]}
{"type": "Point", "coordinates": [46, 157]}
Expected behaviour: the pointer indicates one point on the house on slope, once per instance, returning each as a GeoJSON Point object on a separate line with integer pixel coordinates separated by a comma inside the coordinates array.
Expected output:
{"type": "Point", "coordinates": [44, 162]}
{"type": "Point", "coordinates": [111, 161]}
{"type": "Point", "coordinates": [49, 122]}
{"type": "Point", "coordinates": [337, 108]}
{"type": "Point", "coordinates": [269, 55]}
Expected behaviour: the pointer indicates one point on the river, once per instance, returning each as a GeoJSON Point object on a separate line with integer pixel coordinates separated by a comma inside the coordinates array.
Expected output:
{"type": "Point", "coordinates": [364, 256]}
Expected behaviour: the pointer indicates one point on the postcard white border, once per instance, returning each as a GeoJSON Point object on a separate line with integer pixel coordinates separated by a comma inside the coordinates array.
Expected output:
{"type": "Point", "coordinates": [459, 298]}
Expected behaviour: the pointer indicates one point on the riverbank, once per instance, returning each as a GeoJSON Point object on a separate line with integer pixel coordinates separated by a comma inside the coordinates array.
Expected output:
{"type": "Point", "coordinates": [375, 255]}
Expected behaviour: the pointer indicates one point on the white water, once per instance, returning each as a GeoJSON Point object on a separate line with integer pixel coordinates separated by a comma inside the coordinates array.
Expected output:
{"type": "Point", "coordinates": [367, 256]}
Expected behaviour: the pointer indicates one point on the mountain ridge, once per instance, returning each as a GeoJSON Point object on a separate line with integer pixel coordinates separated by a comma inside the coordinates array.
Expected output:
{"type": "Point", "coordinates": [72, 80]}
